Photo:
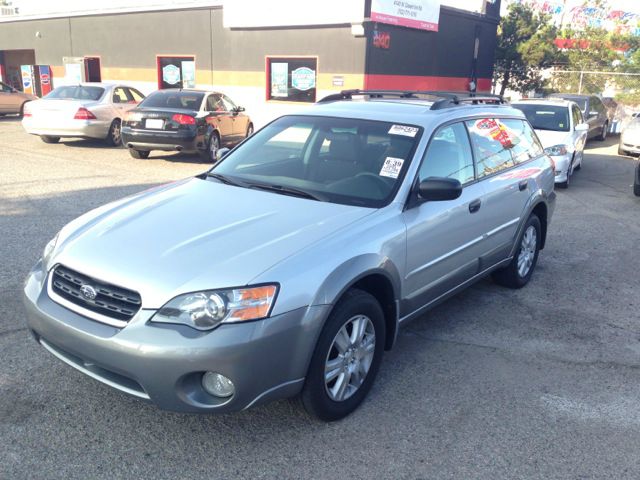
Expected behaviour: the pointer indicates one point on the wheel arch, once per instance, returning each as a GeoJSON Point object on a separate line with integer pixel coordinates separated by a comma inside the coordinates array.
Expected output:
{"type": "Point", "coordinates": [541, 209]}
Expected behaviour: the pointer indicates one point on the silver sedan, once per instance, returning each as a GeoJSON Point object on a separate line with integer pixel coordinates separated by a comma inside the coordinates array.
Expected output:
{"type": "Point", "coordinates": [87, 110]}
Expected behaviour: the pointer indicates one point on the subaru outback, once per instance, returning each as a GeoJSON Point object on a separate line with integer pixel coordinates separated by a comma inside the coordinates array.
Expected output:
{"type": "Point", "coordinates": [287, 269]}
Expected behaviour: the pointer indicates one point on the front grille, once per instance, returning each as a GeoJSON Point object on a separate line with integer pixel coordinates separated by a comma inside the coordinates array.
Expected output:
{"type": "Point", "coordinates": [110, 301]}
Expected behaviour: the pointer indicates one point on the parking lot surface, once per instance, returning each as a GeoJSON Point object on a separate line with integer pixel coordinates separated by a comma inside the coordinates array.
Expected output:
{"type": "Point", "coordinates": [542, 382]}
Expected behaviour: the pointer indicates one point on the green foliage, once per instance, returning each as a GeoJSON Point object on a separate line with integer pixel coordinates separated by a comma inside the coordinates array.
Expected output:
{"type": "Point", "coordinates": [525, 47]}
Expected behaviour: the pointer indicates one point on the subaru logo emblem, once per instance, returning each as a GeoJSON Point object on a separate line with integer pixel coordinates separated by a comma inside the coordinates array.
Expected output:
{"type": "Point", "coordinates": [88, 292]}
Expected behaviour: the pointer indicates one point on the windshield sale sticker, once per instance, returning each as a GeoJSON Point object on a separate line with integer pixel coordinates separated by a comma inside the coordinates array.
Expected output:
{"type": "Point", "coordinates": [391, 167]}
{"type": "Point", "coordinates": [403, 130]}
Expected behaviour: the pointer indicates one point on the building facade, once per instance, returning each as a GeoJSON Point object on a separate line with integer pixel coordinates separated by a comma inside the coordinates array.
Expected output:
{"type": "Point", "coordinates": [279, 61]}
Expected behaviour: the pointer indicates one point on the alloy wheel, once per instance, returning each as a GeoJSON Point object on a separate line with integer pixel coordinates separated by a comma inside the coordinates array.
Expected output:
{"type": "Point", "coordinates": [349, 358]}
{"type": "Point", "coordinates": [214, 146]}
{"type": "Point", "coordinates": [116, 133]}
{"type": "Point", "coordinates": [527, 253]}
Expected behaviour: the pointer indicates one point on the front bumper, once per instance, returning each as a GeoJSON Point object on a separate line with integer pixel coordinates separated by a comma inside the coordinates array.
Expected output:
{"type": "Point", "coordinates": [265, 359]}
{"type": "Point", "coordinates": [630, 146]}
{"type": "Point", "coordinates": [180, 141]}
{"type": "Point", "coordinates": [67, 127]}
{"type": "Point", "coordinates": [562, 163]}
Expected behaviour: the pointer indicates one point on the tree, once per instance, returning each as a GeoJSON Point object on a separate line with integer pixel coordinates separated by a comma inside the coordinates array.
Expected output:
{"type": "Point", "coordinates": [525, 47]}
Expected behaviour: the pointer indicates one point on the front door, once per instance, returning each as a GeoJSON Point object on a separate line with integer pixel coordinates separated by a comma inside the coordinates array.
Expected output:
{"type": "Point", "coordinates": [444, 238]}
{"type": "Point", "coordinates": [220, 118]}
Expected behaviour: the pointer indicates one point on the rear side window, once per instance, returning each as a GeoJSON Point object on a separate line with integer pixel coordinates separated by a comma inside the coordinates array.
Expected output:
{"type": "Point", "coordinates": [76, 92]}
{"type": "Point", "coordinates": [492, 141]}
{"type": "Point", "coordinates": [525, 142]}
{"type": "Point", "coordinates": [449, 155]}
{"type": "Point", "coordinates": [577, 115]}
{"type": "Point", "coordinates": [136, 96]}
{"type": "Point", "coordinates": [120, 96]}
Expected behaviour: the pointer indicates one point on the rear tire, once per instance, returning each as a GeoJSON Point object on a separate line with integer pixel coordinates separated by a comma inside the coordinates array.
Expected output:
{"type": "Point", "coordinates": [139, 154]}
{"type": "Point", "coordinates": [518, 273]}
{"type": "Point", "coordinates": [49, 139]}
{"type": "Point", "coordinates": [114, 137]}
{"type": "Point", "coordinates": [603, 134]}
{"type": "Point", "coordinates": [213, 145]}
{"type": "Point", "coordinates": [249, 130]}
{"type": "Point", "coordinates": [636, 183]}
{"type": "Point", "coordinates": [350, 358]}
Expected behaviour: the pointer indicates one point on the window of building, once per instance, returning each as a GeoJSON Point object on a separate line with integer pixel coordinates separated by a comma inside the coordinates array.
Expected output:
{"type": "Point", "coordinates": [176, 72]}
{"type": "Point", "coordinates": [292, 79]}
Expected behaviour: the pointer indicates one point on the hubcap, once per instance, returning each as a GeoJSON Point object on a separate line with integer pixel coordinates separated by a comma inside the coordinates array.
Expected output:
{"type": "Point", "coordinates": [250, 131]}
{"type": "Point", "coordinates": [116, 133]}
{"type": "Point", "coordinates": [349, 358]}
{"type": "Point", "coordinates": [527, 251]}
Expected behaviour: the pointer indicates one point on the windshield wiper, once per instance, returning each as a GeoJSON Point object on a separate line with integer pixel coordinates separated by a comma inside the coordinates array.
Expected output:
{"type": "Point", "coordinates": [288, 191]}
{"type": "Point", "coordinates": [227, 180]}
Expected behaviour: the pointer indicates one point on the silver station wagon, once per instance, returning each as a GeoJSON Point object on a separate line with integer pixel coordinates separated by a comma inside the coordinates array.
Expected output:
{"type": "Point", "coordinates": [287, 268]}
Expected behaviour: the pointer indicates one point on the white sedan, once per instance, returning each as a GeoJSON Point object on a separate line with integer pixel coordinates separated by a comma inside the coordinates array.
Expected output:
{"type": "Point", "coordinates": [561, 129]}
{"type": "Point", "coordinates": [630, 138]}
{"type": "Point", "coordinates": [87, 110]}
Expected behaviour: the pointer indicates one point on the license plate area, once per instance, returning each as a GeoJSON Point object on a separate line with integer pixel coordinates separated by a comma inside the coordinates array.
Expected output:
{"type": "Point", "coordinates": [154, 123]}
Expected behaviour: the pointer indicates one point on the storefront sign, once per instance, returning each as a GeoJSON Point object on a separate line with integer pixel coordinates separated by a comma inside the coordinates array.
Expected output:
{"type": "Point", "coordinates": [421, 14]}
{"type": "Point", "coordinates": [279, 79]}
{"type": "Point", "coordinates": [189, 74]}
{"type": "Point", "coordinates": [171, 74]}
{"type": "Point", "coordinates": [381, 39]}
{"type": "Point", "coordinates": [303, 78]}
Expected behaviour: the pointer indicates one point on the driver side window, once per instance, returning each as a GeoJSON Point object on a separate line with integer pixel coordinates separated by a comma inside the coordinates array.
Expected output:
{"type": "Point", "coordinates": [449, 155]}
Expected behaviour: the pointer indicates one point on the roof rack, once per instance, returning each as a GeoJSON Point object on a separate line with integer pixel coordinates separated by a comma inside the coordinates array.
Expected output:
{"type": "Point", "coordinates": [444, 99]}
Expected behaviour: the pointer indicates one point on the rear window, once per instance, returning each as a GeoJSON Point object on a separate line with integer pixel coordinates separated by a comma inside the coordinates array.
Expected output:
{"type": "Point", "coordinates": [76, 92]}
{"type": "Point", "coordinates": [174, 99]}
{"type": "Point", "coordinates": [546, 117]}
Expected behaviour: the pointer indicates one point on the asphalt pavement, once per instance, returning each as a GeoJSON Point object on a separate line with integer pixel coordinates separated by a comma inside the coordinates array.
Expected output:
{"type": "Point", "coordinates": [542, 382]}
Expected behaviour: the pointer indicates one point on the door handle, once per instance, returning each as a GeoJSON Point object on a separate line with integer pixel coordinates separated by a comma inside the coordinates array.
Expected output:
{"type": "Point", "coordinates": [475, 206]}
{"type": "Point", "coordinates": [523, 185]}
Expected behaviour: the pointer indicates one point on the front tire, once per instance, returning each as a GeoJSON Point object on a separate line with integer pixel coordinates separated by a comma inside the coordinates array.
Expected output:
{"type": "Point", "coordinates": [636, 183]}
{"type": "Point", "coordinates": [114, 137]}
{"type": "Point", "coordinates": [518, 273]}
{"type": "Point", "coordinates": [139, 154]}
{"type": "Point", "coordinates": [249, 130]}
{"type": "Point", "coordinates": [49, 139]}
{"type": "Point", "coordinates": [346, 358]}
{"type": "Point", "coordinates": [621, 151]}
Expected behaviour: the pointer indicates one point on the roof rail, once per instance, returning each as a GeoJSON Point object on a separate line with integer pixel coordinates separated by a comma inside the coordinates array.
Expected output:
{"type": "Point", "coordinates": [445, 99]}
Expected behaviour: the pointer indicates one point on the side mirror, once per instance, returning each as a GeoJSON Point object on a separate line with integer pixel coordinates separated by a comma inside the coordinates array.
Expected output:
{"type": "Point", "coordinates": [593, 113]}
{"type": "Point", "coordinates": [582, 127]}
{"type": "Point", "coordinates": [221, 153]}
{"type": "Point", "coordinates": [239, 109]}
{"type": "Point", "coordinates": [439, 188]}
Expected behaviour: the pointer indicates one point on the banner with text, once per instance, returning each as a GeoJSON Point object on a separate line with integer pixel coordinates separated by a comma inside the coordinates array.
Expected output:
{"type": "Point", "coordinates": [422, 14]}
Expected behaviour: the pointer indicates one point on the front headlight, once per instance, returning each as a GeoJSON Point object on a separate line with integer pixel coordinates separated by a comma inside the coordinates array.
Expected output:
{"type": "Point", "coordinates": [556, 150]}
{"type": "Point", "coordinates": [208, 309]}
{"type": "Point", "coordinates": [48, 252]}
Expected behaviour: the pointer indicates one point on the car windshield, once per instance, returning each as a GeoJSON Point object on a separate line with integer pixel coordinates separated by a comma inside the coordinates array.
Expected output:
{"type": "Point", "coordinates": [173, 99]}
{"type": "Point", "coordinates": [340, 160]}
{"type": "Point", "coordinates": [546, 117]}
{"type": "Point", "coordinates": [76, 92]}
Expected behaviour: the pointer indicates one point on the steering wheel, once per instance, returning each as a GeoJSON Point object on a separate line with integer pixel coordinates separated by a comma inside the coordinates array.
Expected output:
{"type": "Point", "coordinates": [382, 183]}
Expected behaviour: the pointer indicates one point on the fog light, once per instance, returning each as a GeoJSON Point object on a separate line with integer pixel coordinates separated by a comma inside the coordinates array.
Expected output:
{"type": "Point", "coordinates": [217, 384]}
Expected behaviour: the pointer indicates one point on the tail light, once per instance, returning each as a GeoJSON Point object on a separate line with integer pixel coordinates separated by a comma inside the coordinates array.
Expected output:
{"type": "Point", "coordinates": [84, 114]}
{"type": "Point", "coordinates": [183, 119]}
{"type": "Point", "coordinates": [26, 110]}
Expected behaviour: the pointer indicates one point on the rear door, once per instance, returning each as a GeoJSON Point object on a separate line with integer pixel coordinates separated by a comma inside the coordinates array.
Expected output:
{"type": "Point", "coordinates": [5, 98]}
{"type": "Point", "coordinates": [503, 149]}
{"type": "Point", "coordinates": [120, 100]}
{"type": "Point", "coordinates": [444, 238]}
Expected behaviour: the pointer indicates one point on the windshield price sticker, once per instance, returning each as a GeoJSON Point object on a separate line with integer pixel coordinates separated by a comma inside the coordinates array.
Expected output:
{"type": "Point", "coordinates": [391, 167]}
{"type": "Point", "coordinates": [403, 130]}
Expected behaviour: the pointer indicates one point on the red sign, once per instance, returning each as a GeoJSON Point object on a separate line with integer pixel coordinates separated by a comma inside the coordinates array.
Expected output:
{"type": "Point", "coordinates": [381, 40]}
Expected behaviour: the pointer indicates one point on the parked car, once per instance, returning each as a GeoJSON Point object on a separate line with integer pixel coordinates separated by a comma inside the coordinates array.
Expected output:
{"type": "Point", "coordinates": [561, 130]}
{"type": "Point", "coordinates": [87, 110]}
{"type": "Point", "coordinates": [12, 100]}
{"type": "Point", "coordinates": [630, 138]}
{"type": "Point", "coordinates": [636, 181]}
{"type": "Point", "coordinates": [288, 267]}
{"type": "Point", "coordinates": [191, 121]}
{"type": "Point", "coordinates": [594, 112]}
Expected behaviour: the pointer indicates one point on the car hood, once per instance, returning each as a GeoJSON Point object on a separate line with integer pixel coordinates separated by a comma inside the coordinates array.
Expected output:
{"type": "Point", "coordinates": [194, 235]}
{"type": "Point", "coordinates": [550, 138]}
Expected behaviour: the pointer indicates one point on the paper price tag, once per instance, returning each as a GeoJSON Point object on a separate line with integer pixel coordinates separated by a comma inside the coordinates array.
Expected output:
{"type": "Point", "coordinates": [405, 130]}
{"type": "Point", "coordinates": [391, 167]}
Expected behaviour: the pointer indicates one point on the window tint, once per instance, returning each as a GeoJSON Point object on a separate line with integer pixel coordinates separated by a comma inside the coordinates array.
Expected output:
{"type": "Point", "coordinates": [120, 96]}
{"type": "Point", "coordinates": [174, 99]}
{"type": "Point", "coordinates": [525, 144]}
{"type": "Point", "coordinates": [228, 103]}
{"type": "Point", "coordinates": [449, 155]}
{"type": "Point", "coordinates": [215, 103]}
{"type": "Point", "coordinates": [491, 141]}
